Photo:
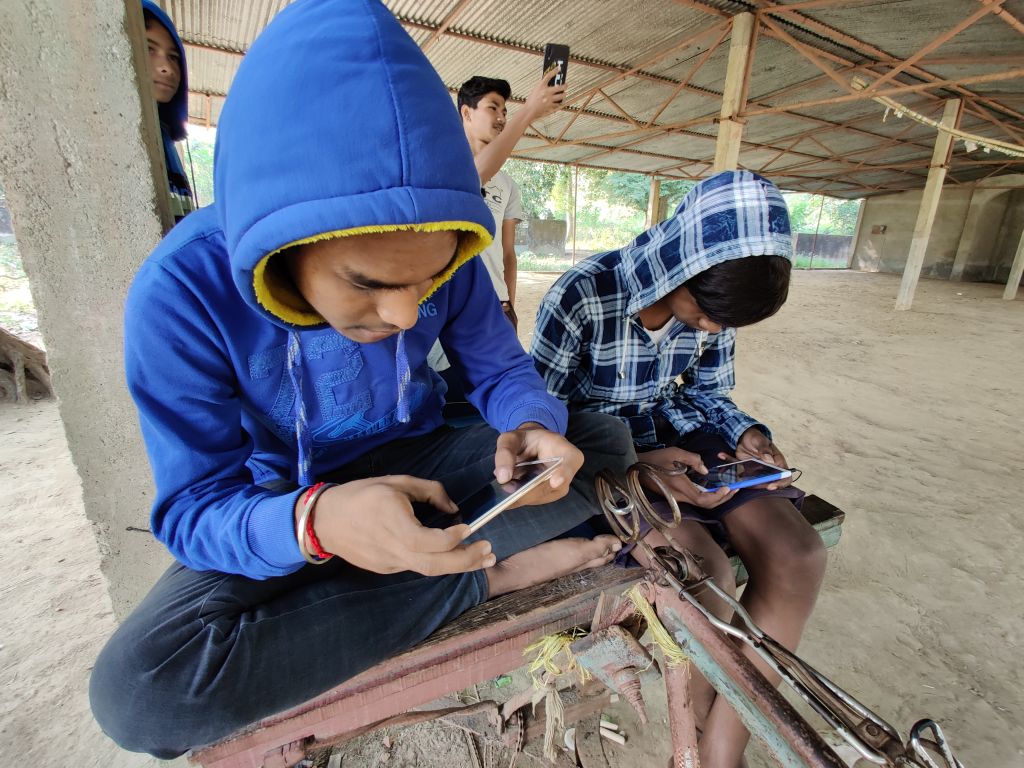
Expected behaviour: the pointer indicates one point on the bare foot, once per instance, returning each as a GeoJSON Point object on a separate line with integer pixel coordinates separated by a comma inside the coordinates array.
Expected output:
{"type": "Point", "coordinates": [549, 561]}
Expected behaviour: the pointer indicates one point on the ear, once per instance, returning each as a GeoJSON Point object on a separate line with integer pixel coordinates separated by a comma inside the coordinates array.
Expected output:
{"type": "Point", "coordinates": [466, 112]}
{"type": "Point", "coordinates": [705, 323]}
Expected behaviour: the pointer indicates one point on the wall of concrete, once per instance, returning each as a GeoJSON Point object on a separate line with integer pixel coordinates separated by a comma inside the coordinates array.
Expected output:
{"type": "Point", "coordinates": [974, 237]}
{"type": "Point", "coordinates": [1009, 238]}
{"type": "Point", "coordinates": [78, 160]}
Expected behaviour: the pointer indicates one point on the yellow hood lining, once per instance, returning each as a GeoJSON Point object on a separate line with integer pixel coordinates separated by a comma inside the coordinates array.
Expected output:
{"type": "Point", "coordinates": [276, 294]}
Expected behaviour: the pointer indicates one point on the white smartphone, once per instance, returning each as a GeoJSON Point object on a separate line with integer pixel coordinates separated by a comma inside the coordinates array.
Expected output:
{"type": "Point", "coordinates": [739, 474]}
{"type": "Point", "coordinates": [482, 506]}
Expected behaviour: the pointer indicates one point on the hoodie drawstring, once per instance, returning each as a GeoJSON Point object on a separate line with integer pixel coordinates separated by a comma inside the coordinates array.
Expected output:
{"type": "Point", "coordinates": [302, 436]}
{"type": "Point", "coordinates": [403, 376]}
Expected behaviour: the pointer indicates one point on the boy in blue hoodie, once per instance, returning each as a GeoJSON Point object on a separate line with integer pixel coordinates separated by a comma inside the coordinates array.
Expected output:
{"type": "Point", "coordinates": [276, 347]}
{"type": "Point", "coordinates": [647, 333]}
{"type": "Point", "coordinates": [169, 77]}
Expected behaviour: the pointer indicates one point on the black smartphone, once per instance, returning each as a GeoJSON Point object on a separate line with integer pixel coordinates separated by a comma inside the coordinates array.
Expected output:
{"type": "Point", "coordinates": [556, 54]}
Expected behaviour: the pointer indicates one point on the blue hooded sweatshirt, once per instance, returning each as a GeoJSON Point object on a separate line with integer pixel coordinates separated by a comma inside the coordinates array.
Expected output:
{"type": "Point", "coordinates": [173, 122]}
{"type": "Point", "coordinates": [594, 352]}
{"type": "Point", "coordinates": [335, 125]}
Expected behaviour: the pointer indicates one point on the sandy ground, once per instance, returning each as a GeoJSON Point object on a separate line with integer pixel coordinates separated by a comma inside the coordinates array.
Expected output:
{"type": "Point", "coordinates": [908, 421]}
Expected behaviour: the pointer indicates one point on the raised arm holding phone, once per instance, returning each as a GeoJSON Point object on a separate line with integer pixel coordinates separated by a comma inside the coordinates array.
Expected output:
{"type": "Point", "coordinates": [545, 99]}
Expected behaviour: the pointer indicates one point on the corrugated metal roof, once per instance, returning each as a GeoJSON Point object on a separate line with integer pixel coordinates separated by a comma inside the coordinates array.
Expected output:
{"type": "Point", "coordinates": [671, 93]}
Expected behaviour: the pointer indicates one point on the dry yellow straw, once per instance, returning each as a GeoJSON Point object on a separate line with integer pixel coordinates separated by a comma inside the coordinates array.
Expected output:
{"type": "Point", "coordinates": [548, 649]}
{"type": "Point", "coordinates": [544, 671]}
{"type": "Point", "coordinates": [674, 655]}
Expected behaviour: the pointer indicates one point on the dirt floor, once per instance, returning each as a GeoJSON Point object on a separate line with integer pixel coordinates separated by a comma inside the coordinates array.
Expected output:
{"type": "Point", "coordinates": [911, 422]}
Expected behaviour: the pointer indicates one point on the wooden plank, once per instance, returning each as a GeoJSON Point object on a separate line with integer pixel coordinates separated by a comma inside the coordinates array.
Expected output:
{"type": "Point", "coordinates": [485, 642]}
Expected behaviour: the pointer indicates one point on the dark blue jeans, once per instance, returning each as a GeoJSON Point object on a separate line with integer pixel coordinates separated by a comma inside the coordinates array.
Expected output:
{"type": "Point", "coordinates": [208, 653]}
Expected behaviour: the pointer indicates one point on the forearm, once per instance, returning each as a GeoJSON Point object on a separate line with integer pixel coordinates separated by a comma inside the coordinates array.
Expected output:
{"type": "Point", "coordinates": [490, 159]}
{"type": "Point", "coordinates": [511, 273]}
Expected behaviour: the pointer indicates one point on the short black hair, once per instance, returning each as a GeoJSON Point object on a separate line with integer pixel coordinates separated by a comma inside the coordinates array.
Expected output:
{"type": "Point", "coordinates": [742, 291]}
{"type": "Point", "coordinates": [477, 87]}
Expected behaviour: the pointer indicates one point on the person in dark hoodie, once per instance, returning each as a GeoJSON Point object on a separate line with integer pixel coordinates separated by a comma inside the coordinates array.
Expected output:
{"type": "Point", "coordinates": [276, 345]}
{"type": "Point", "coordinates": [647, 333]}
{"type": "Point", "coordinates": [169, 76]}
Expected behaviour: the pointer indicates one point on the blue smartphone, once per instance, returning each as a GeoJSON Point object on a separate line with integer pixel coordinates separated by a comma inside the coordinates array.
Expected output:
{"type": "Point", "coordinates": [485, 504]}
{"type": "Point", "coordinates": [739, 474]}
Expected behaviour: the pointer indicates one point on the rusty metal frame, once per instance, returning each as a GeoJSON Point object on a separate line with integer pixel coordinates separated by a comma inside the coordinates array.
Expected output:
{"type": "Point", "coordinates": [481, 645]}
{"type": "Point", "coordinates": [763, 709]}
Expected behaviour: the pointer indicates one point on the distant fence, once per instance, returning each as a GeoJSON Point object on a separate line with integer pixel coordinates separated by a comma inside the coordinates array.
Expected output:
{"type": "Point", "coordinates": [823, 251]}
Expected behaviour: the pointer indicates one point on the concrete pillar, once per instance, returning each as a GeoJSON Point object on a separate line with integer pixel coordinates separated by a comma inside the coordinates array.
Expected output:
{"type": "Point", "coordinates": [929, 205]}
{"type": "Point", "coordinates": [653, 203]}
{"type": "Point", "coordinates": [856, 232]}
{"type": "Point", "coordinates": [1016, 272]}
{"type": "Point", "coordinates": [82, 166]}
{"type": "Point", "coordinates": [981, 233]}
{"type": "Point", "coordinates": [730, 130]}
{"type": "Point", "coordinates": [967, 234]}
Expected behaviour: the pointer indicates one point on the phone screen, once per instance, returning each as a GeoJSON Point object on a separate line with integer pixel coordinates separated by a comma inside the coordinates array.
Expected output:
{"type": "Point", "coordinates": [749, 472]}
{"type": "Point", "coordinates": [486, 503]}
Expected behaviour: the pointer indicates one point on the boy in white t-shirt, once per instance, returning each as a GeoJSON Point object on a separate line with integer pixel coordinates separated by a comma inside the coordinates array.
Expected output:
{"type": "Point", "coordinates": [492, 135]}
{"type": "Point", "coordinates": [481, 104]}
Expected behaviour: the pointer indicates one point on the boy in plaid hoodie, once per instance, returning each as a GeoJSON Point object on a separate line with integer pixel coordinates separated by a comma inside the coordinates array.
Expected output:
{"type": "Point", "coordinates": [647, 333]}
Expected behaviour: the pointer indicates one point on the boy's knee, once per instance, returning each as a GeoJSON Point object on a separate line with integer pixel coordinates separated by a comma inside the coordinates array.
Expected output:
{"type": "Point", "coordinates": [127, 705]}
{"type": "Point", "coordinates": [718, 566]}
{"type": "Point", "coordinates": [805, 562]}
{"type": "Point", "coordinates": [602, 438]}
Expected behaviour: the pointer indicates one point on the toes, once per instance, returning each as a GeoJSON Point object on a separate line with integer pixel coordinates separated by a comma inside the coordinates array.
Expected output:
{"type": "Point", "coordinates": [601, 550]}
{"type": "Point", "coordinates": [597, 562]}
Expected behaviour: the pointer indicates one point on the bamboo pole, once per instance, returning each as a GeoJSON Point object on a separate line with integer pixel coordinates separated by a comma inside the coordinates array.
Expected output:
{"type": "Point", "coordinates": [730, 130]}
{"type": "Point", "coordinates": [653, 200]}
{"type": "Point", "coordinates": [575, 208]}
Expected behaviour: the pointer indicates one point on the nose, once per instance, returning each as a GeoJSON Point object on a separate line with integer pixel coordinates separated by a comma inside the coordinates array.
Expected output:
{"type": "Point", "coordinates": [399, 308]}
{"type": "Point", "coordinates": [163, 63]}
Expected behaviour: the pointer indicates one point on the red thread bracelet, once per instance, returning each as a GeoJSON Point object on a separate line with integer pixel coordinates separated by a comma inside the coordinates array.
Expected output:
{"type": "Point", "coordinates": [314, 542]}
{"type": "Point", "coordinates": [318, 552]}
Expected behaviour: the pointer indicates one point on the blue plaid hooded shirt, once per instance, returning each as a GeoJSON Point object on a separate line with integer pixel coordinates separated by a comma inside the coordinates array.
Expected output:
{"type": "Point", "coordinates": [594, 352]}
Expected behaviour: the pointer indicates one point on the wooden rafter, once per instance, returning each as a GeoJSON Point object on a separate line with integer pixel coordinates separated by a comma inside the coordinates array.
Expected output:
{"type": "Point", "coordinates": [865, 49]}
{"type": "Point", "coordinates": [949, 34]}
{"type": "Point", "coordinates": [446, 22]}
{"type": "Point", "coordinates": [986, 78]}
{"type": "Point", "coordinates": [888, 75]}
{"type": "Point", "coordinates": [659, 56]}
{"type": "Point", "coordinates": [632, 121]}
{"type": "Point", "coordinates": [572, 120]}
{"type": "Point", "coordinates": [1005, 15]}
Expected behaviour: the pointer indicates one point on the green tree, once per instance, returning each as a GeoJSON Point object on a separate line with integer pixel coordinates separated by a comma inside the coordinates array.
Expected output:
{"type": "Point", "coordinates": [826, 215]}
{"type": "Point", "coordinates": [198, 161]}
{"type": "Point", "coordinates": [535, 181]}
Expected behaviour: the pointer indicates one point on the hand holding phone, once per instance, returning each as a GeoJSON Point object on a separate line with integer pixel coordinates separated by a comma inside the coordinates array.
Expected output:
{"type": "Point", "coordinates": [740, 474]}
{"type": "Point", "coordinates": [547, 95]}
{"type": "Point", "coordinates": [485, 504]}
{"type": "Point", "coordinates": [392, 539]}
{"type": "Point", "coordinates": [556, 54]}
